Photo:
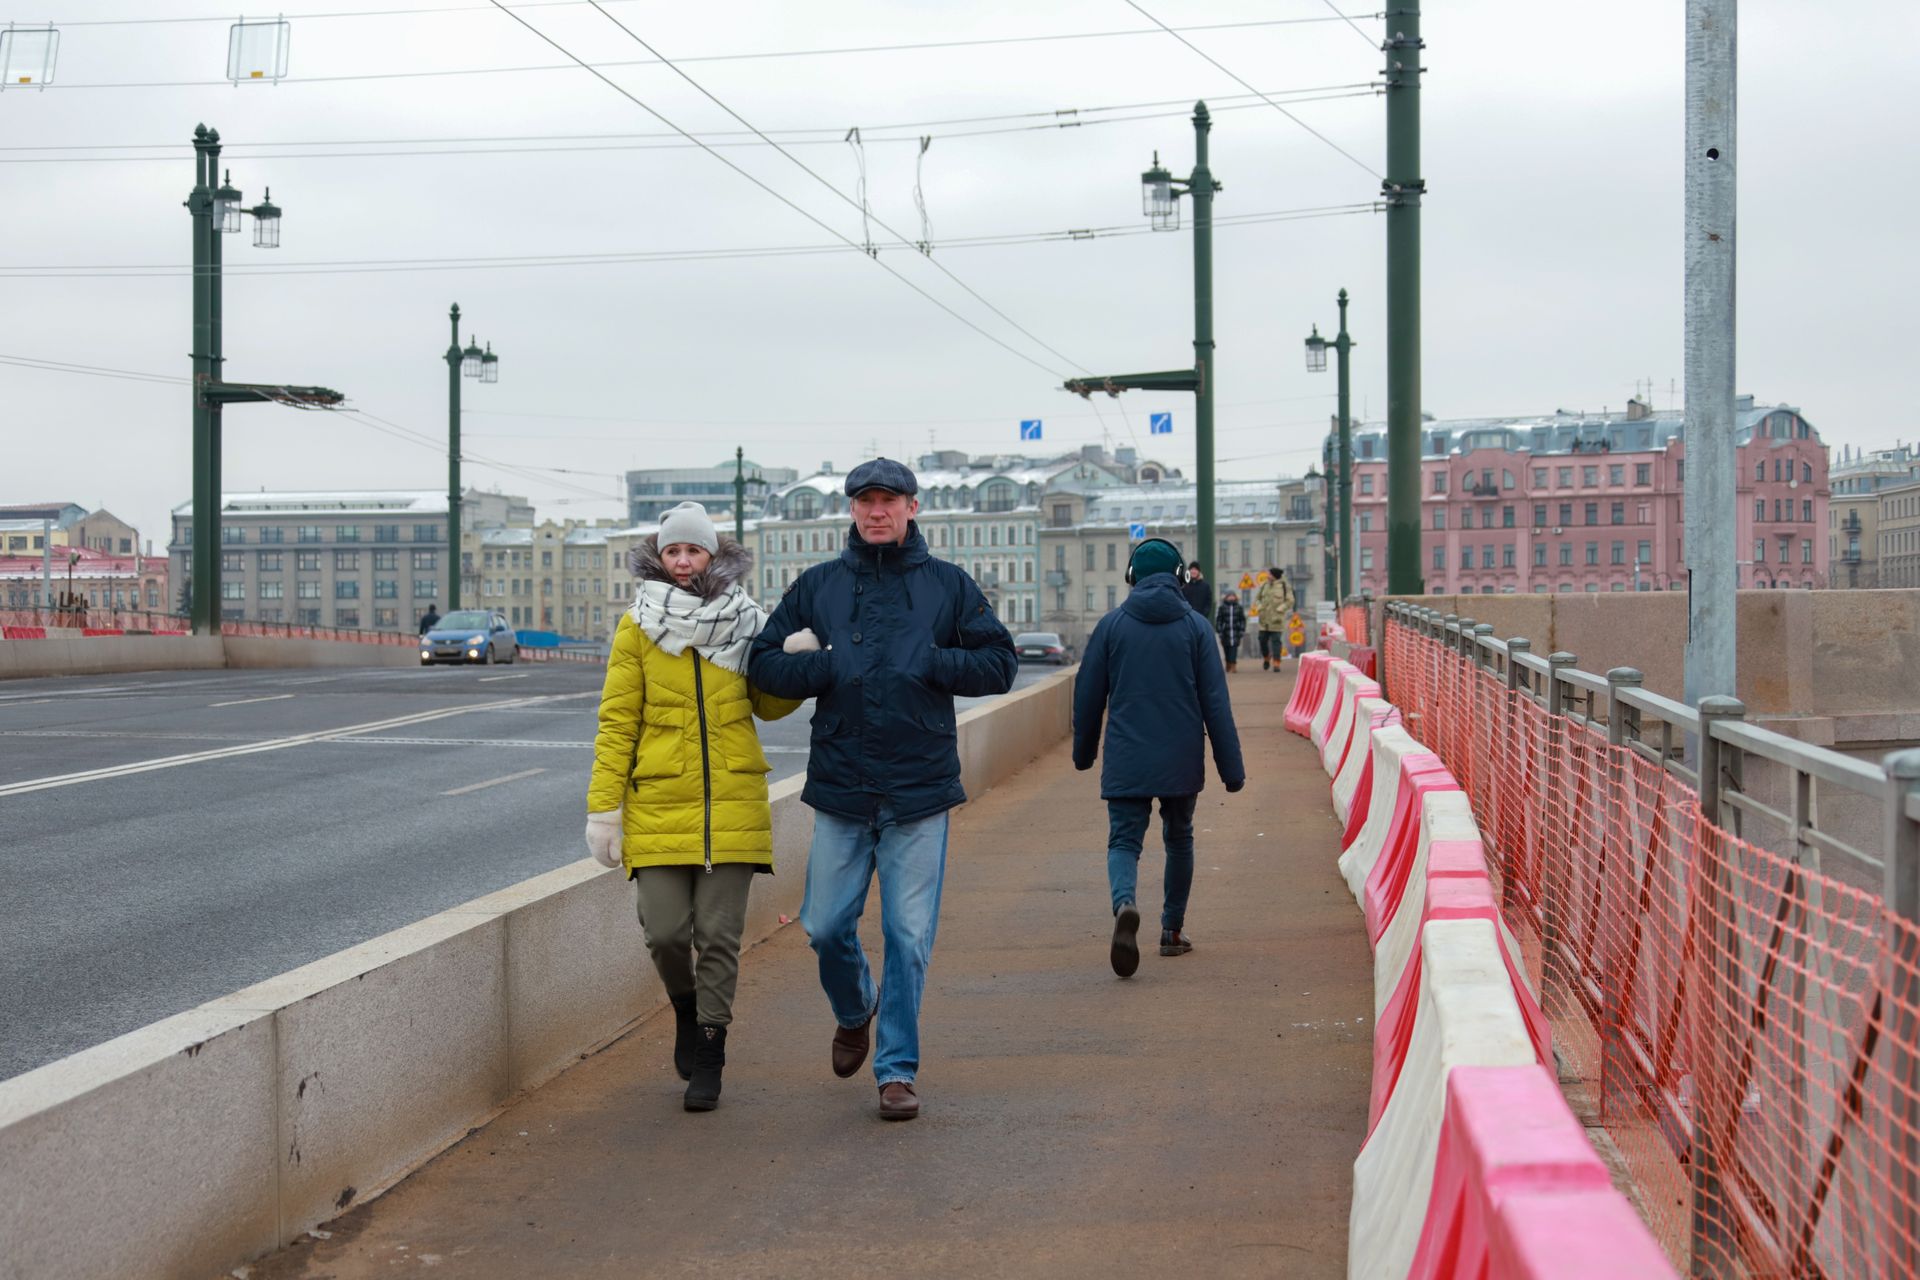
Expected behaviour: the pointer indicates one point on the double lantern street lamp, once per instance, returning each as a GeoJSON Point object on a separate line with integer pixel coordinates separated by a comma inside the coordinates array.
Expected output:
{"type": "Point", "coordinates": [483, 366]}
{"type": "Point", "coordinates": [1339, 468]}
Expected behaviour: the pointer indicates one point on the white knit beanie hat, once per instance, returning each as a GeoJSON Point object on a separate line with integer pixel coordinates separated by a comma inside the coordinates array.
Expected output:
{"type": "Point", "coordinates": [688, 522]}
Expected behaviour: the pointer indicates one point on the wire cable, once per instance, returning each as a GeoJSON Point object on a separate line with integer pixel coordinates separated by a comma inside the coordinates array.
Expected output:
{"type": "Point", "coordinates": [1371, 43]}
{"type": "Point", "coordinates": [1243, 84]}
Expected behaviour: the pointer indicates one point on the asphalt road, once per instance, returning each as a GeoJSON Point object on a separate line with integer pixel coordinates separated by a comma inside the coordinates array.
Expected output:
{"type": "Point", "coordinates": [234, 825]}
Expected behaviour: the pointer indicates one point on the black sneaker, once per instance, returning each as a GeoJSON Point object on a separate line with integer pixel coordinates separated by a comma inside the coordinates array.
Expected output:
{"type": "Point", "coordinates": [1125, 953]}
{"type": "Point", "coordinates": [1174, 943]}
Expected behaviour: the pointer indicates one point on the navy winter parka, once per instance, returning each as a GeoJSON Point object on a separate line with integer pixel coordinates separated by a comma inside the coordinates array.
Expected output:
{"type": "Point", "coordinates": [901, 634]}
{"type": "Point", "coordinates": [1152, 670]}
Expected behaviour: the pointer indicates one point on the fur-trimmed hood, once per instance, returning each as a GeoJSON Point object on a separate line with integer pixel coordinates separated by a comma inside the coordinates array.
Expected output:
{"type": "Point", "coordinates": [732, 564]}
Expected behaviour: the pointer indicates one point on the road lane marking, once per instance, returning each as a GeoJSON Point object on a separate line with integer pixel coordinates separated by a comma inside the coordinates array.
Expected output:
{"type": "Point", "coordinates": [241, 702]}
{"type": "Point", "coordinates": [490, 679]}
{"type": "Point", "coordinates": [254, 748]}
{"type": "Point", "coordinates": [492, 782]}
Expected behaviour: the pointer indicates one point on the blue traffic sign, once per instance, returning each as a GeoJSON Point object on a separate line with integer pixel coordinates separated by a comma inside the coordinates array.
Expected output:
{"type": "Point", "coordinates": [1137, 531]}
{"type": "Point", "coordinates": [1160, 424]}
{"type": "Point", "coordinates": [1030, 429]}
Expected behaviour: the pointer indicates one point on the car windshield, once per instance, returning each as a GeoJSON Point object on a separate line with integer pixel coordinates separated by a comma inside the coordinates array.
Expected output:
{"type": "Point", "coordinates": [1036, 637]}
{"type": "Point", "coordinates": [466, 620]}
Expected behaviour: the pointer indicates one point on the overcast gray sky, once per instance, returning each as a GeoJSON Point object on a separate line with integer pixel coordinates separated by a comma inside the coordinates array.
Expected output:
{"type": "Point", "coordinates": [1552, 138]}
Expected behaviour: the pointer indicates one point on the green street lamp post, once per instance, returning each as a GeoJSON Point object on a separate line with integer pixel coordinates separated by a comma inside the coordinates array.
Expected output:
{"type": "Point", "coordinates": [1160, 194]}
{"type": "Point", "coordinates": [740, 493]}
{"type": "Point", "coordinates": [217, 211]}
{"type": "Point", "coordinates": [1317, 363]}
{"type": "Point", "coordinates": [1402, 191]}
{"type": "Point", "coordinates": [1329, 571]}
{"type": "Point", "coordinates": [484, 366]}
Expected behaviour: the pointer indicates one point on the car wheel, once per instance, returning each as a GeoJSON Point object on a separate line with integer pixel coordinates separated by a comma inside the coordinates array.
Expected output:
{"type": "Point", "coordinates": [493, 655]}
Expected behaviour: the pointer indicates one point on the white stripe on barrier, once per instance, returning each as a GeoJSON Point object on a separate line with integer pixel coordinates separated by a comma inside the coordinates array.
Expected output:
{"type": "Point", "coordinates": [1391, 745]}
{"type": "Point", "coordinates": [1444, 815]}
{"type": "Point", "coordinates": [1329, 696]}
{"type": "Point", "coordinates": [1354, 687]}
{"type": "Point", "coordinates": [1467, 1016]}
{"type": "Point", "coordinates": [1347, 781]}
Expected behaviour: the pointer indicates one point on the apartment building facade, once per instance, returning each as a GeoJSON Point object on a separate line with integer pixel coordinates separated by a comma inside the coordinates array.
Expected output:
{"type": "Point", "coordinates": [1576, 502]}
{"type": "Point", "coordinates": [650, 492]}
{"type": "Point", "coordinates": [368, 559]}
{"type": "Point", "coordinates": [1853, 519]}
{"type": "Point", "coordinates": [551, 576]}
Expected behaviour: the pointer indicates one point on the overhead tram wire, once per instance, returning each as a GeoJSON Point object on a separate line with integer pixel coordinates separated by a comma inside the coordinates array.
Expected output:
{"type": "Point", "coordinates": [366, 266]}
{"type": "Point", "coordinates": [1134, 4]}
{"type": "Point", "coordinates": [823, 225]}
{"type": "Point", "coordinates": [861, 205]}
{"type": "Point", "coordinates": [710, 57]}
{"type": "Point", "coordinates": [1054, 118]}
{"type": "Point", "coordinates": [1371, 42]}
{"type": "Point", "coordinates": [523, 471]}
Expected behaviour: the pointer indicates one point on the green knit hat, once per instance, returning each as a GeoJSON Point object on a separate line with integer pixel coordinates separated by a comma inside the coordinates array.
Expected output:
{"type": "Point", "coordinates": [1155, 557]}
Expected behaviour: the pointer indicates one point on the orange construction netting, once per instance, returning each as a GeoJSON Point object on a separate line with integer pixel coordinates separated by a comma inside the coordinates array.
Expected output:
{"type": "Point", "coordinates": [1353, 620]}
{"type": "Point", "coordinates": [1740, 1031]}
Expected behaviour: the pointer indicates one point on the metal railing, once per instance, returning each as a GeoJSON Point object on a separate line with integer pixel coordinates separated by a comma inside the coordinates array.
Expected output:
{"type": "Point", "coordinates": [1732, 971]}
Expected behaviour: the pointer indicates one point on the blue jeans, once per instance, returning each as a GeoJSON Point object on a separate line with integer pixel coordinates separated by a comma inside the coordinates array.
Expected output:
{"type": "Point", "coordinates": [911, 858]}
{"type": "Point", "coordinates": [1127, 829]}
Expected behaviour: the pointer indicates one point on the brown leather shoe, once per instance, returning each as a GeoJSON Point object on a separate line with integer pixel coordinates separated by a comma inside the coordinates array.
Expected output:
{"type": "Point", "coordinates": [898, 1101]}
{"type": "Point", "coordinates": [850, 1048]}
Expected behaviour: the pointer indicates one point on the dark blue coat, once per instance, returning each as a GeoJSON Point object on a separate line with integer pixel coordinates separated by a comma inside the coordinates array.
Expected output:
{"type": "Point", "coordinates": [908, 633]}
{"type": "Point", "coordinates": [1152, 670]}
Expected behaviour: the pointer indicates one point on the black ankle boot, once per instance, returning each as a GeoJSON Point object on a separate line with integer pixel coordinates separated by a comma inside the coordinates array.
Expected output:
{"type": "Point", "coordinates": [684, 1022]}
{"type": "Point", "coordinates": [709, 1055]}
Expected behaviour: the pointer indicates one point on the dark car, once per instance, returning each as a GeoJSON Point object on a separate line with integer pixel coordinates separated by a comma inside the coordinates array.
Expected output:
{"type": "Point", "coordinates": [469, 635]}
{"type": "Point", "coordinates": [1042, 646]}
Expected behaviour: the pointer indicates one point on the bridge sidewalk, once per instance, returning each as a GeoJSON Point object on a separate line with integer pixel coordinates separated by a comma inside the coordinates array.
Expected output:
{"type": "Point", "coordinates": [1202, 1116]}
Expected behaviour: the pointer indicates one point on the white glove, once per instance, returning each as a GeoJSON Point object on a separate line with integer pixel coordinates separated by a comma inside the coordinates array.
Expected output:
{"type": "Point", "coordinates": [802, 641]}
{"type": "Point", "coordinates": [604, 837]}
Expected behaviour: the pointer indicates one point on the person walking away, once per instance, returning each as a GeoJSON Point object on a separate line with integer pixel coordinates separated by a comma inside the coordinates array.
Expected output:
{"type": "Point", "coordinates": [1275, 602]}
{"type": "Point", "coordinates": [678, 794]}
{"type": "Point", "coordinates": [1230, 624]}
{"type": "Point", "coordinates": [1198, 591]}
{"type": "Point", "coordinates": [1149, 670]}
{"type": "Point", "coordinates": [884, 637]}
{"type": "Point", "coordinates": [430, 619]}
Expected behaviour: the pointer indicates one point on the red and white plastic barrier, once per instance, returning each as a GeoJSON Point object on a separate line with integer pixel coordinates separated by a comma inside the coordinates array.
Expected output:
{"type": "Point", "coordinates": [1309, 680]}
{"type": "Point", "coordinates": [1420, 777]}
{"type": "Point", "coordinates": [1513, 1160]}
{"type": "Point", "coordinates": [1372, 713]}
{"type": "Point", "coordinates": [1340, 733]}
{"type": "Point", "coordinates": [1392, 747]}
{"type": "Point", "coordinates": [1330, 699]}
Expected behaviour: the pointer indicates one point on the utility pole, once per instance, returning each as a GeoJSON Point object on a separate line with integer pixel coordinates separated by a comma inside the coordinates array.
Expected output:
{"type": "Point", "coordinates": [1402, 191]}
{"type": "Point", "coordinates": [740, 494]}
{"type": "Point", "coordinates": [215, 211]}
{"type": "Point", "coordinates": [1317, 363]}
{"type": "Point", "coordinates": [1159, 201]}
{"type": "Point", "coordinates": [1330, 569]}
{"type": "Point", "coordinates": [1709, 490]}
{"type": "Point", "coordinates": [473, 363]}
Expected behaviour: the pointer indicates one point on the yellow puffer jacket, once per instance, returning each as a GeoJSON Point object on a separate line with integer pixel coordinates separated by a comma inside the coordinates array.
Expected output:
{"type": "Point", "coordinates": [677, 749]}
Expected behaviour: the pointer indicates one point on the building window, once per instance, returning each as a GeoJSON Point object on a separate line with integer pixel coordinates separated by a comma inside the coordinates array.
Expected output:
{"type": "Point", "coordinates": [424, 588]}
{"type": "Point", "coordinates": [346, 617]}
{"type": "Point", "coordinates": [1366, 484]}
{"type": "Point", "coordinates": [1759, 550]}
{"type": "Point", "coordinates": [346, 533]}
{"type": "Point", "coordinates": [1090, 604]}
{"type": "Point", "coordinates": [1619, 553]}
{"type": "Point", "coordinates": [233, 591]}
{"type": "Point", "coordinates": [1507, 554]}
{"type": "Point", "coordinates": [1110, 597]}
{"type": "Point", "coordinates": [1466, 517]}
{"type": "Point", "coordinates": [1806, 510]}
{"type": "Point", "coordinates": [307, 590]}
{"type": "Point", "coordinates": [1806, 551]}
{"type": "Point", "coordinates": [1540, 555]}
{"type": "Point", "coordinates": [389, 560]}
{"type": "Point", "coordinates": [1566, 513]}
{"type": "Point", "coordinates": [1439, 556]}
{"type": "Point", "coordinates": [1440, 518]}
{"type": "Point", "coordinates": [1589, 477]}
{"type": "Point", "coordinates": [233, 533]}
{"type": "Point", "coordinates": [1366, 558]}
{"type": "Point", "coordinates": [386, 619]}
{"type": "Point", "coordinates": [1616, 475]}
{"type": "Point", "coordinates": [1644, 553]}
{"type": "Point", "coordinates": [346, 562]}
{"type": "Point", "coordinates": [1563, 477]}
{"type": "Point", "coordinates": [1112, 560]}
{"type": "Point", "coordinates": [1566, 553]}
{"type": "Point", "coordinates": [389, 589]}
{"type": "Point", "coordinates": [426, 533]}
{"type": "Point", "coordinates": [1593, 513]}
{"type": "Point", "coordinates": [309, 533]}
{"type": "Point", "coordinates": [386, 533]}
{"type": "Point", "coordinates": [1439, 482]}
{"type": "Point", "coordinates": [232, 562]}
{"type": "Point", "coordinates": [1466, 557]}
{"type": "Point", "coordinates": [1643, 473]}
{"type": "Point", "coordinates": [306, 561]}
{"type": "Point", "coordinates": [1090, 554]}
{"type": "Point", "coordinates": [1806, 468]}
{"type": "Point", "coordinates": [425, 560]}
{"type": "Point", "coordinates": [273, 534]}
{"type": "Point", "coordinates": [1486, 556]}
{"type": "Point", "coordinates": [1618, 513]}
{"type": "Point", "coordinates": [1506, 517]}
{"type": "Point", "coordinates": [1366, 522]}
{"type": "Point", "coordinates": [1593, 553]}
{"type": "Point", "coordinates": [1539, 515]}
{"type": "Point", "coordinates": [272, 590]}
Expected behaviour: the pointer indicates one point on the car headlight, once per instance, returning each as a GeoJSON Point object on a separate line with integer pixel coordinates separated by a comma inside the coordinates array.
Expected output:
{"type": "Point", "coordinates": [477, 640]}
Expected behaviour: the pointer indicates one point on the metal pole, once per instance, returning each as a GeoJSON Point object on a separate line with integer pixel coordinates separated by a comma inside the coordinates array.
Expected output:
{"type": "Point", "coordinates": [1402, 190]}
{"type": "Point", "coordinates": [1901, 893]}
{"type": "Point", "coordinates": [204, 618]}
{"type": "Point", "coordinates": [1329, 570]}
{"type": "Point", "coordinates": [1343, 345]}
{"type": "Point", "coordinates": [216, 257]}
{"type": "Point", "coordinates": [453, 462]}
{"type": "Point", "coordinates": [740, 494]}
{"type": "Point", "coordinates": [1718, 978]}
{"type": "Point", "coordinates": [1709, 492]}
{"type": "Point", "coordinates": [46, 564]}
{"type": "Point", "coordinates": [1202, 190]}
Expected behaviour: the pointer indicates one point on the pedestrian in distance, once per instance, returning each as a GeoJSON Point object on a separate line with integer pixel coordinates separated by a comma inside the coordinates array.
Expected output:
{"type": "Point", "coordinates": [1230, 624]}
{"type": "Point", "coordinates": [1198, 591]}
{"type": "Point", "coordinates": [678, 795]}
{"type": "Point", "coordinates": [430, 619]}
{"type": "Point", "coordinates": [1150, 672]}
{"type": "Point", "coordinates": [1275, 602]}
{"type": "Point", "coordinates": [885, 636]}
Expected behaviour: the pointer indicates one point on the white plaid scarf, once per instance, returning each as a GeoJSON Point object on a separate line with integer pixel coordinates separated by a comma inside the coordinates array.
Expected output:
{"type": "Point", "coordinates": [721, 630]}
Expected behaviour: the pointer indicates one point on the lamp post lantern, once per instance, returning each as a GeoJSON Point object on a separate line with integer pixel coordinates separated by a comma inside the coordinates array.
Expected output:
{"type": "Point", "coordinates": [1341, 466]}
{"type": "Point", "coordinates": [1160, 192]}
{"type": "Point", "coordinates": [471, 362]}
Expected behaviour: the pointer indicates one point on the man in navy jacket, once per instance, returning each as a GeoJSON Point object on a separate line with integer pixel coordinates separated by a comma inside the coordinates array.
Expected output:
{"type": "Point", "coordinates": [884, 637]}
{"type": "Point", "coordinates": [1152, 671]}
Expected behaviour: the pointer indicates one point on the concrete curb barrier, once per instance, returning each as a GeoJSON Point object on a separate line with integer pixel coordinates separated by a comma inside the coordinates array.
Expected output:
{"type": "Point", "coordinates": [1466, 1017]}
{"type": "Point", "coordinates": [1308, 682]}
{"type": "Point", "coordinates": [1392, 746]}
{"type": "Point", "coordinates": [1369, 713]}
{"type": "Point", "coordinates": [74, 655]}
{"type": "Point", "coordinates": [1322, 721]}
{"type": "Point", "coordinates": [193, 1145]}
{"type": "Point", "coordinates": [1354, 687]}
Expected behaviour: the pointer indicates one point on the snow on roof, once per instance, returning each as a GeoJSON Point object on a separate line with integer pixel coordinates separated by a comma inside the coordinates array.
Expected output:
{"type": "Point", "coordinates": [338, 502]}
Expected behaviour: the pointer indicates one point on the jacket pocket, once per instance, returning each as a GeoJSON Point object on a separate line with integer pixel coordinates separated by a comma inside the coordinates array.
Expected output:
{"type": "Point", "coordinates": [663, 751]}
{"type": "Point", "coordinates": [731, 729]}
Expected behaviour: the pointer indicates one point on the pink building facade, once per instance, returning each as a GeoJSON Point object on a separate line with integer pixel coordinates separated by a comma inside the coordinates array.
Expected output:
{"type": "Point", "coordinates": [1575, 502]}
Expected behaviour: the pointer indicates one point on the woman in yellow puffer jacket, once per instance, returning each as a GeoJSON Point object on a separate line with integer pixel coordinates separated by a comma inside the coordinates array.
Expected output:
{"type": "Point", "coordinates": [679, 788]}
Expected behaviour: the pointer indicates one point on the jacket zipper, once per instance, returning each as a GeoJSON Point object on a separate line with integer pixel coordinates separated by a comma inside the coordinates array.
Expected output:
{"type": "Point", "coordinates": [706, 764]}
